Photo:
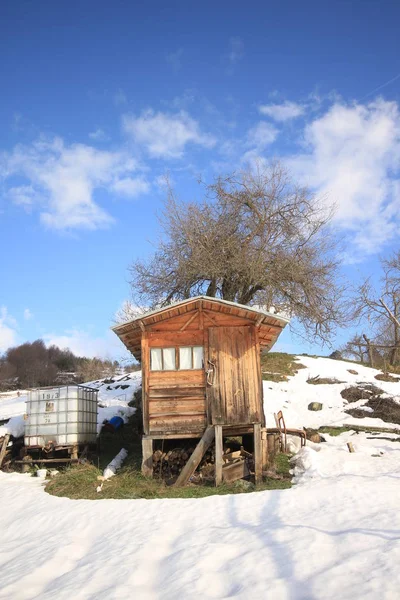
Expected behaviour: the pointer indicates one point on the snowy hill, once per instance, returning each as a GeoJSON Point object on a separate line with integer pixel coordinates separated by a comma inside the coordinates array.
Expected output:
{"type": "Point", "coordinates": [294, 396]}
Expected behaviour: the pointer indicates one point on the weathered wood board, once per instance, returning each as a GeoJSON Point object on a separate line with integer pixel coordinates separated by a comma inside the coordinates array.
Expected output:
{"type": "Point", "coordinates": [235, 393]}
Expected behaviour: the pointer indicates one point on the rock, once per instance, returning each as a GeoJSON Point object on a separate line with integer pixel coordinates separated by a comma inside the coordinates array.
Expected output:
{"type": "Point", "coordinates": [352, 371]}
{"type": "Point", "coordinates": [314, 436]}
{"type": "Point", "coordinates": [315, 406]}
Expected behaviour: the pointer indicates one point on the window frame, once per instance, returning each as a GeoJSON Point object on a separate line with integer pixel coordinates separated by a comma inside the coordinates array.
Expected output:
{"type": "Point", "coordinates": [163, 370]}
{"type": "Point", "coordinates": [177, 358]}
{"type": "Point", "coordinates": [192, 368]}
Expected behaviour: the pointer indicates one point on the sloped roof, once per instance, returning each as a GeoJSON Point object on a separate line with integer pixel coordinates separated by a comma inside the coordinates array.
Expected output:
{"type": "Point", "coordinates": [269, 324]}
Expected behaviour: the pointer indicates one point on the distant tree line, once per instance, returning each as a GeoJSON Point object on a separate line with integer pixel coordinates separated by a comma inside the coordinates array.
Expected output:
{"type": "Point", "coordinates": [33, 364]}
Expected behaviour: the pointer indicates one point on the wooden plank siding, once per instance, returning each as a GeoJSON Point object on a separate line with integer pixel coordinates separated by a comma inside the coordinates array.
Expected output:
{"type": "Point", "coordinates": [176, 399]}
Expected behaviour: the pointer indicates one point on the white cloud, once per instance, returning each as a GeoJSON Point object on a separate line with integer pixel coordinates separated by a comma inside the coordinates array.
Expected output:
{"type": "Point", "coordinates": [165, 135]}
{"type": "Point", "coordinates": [352, 157]}
{"type": "Point", "coordinates": [22, 195]}
{"type": "Point", "coordinates": [62, 180]}
{"type": "Point", "coordinates": [282, 112]}
{"type": "Point", "coordinates": [8, 333]}
{"type": "Point", "coordinates": [27, 314]}
{"type": "Point", "coordinates": [98, 135]}
{"type": "Point", "coordinates": [261, 135]}
{"type": "Point", "coordinates": [258, 138]}
{"type": "Point", "coordinates": [131, 187]}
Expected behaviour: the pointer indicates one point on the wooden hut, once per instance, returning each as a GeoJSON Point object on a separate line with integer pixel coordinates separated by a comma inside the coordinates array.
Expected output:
{"type": "Point", "coordinates": [201, 368]}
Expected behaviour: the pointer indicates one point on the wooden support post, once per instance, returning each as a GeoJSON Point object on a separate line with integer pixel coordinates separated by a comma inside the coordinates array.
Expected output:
{"type": "Point", "coordinates": [147, 457]}
{"type": "Point", "coordinates": [195, 458]}
{"type": "Point", "coordinates": [3, 449]}
{"type": "Point", "coordinates": [218, 454]}
{"type": "Point", "coordinates": [74, 452]}
{"type": "Point", "coordinates": [257, 453]}
{"type": "Point", "coordinates": [264, 448]}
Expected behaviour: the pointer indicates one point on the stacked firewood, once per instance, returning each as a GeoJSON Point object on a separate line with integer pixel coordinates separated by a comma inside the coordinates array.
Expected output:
{"type": "Point", "coordinates": [170, 463]}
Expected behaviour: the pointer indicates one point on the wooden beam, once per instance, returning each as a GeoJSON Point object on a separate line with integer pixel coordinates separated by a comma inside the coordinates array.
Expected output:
{"type": "Point", "coordinates": [196, 457]}
{"type": "Point", "coordinates": [205, 313]}
{"type": "Point", "coordinates": [192, 318]}
{"type": "Point", "coordinates": [257, 453]}
{"type": "Point", "coordinates": [218, 455]}
{"type": "Point", "coordinates": [264, 448]}
{"type": "Point", "coordinates": [147, 457]}
{"type": "Point", "coordinates": [4, 447]}
{"type": "Point", "coordinates": [260, 320]}
{"type": "Point", "coordinates": [201, 317]}
{"type": "Point", "coordinates": [141, 325]}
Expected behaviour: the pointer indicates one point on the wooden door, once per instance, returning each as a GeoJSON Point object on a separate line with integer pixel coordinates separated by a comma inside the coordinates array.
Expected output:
{"type": "Point", "coordinates": [234, 379]}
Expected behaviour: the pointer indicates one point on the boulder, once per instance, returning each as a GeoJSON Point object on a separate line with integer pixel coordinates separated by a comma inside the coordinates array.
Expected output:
{"type": "Point", "coordinates": [315, 406]}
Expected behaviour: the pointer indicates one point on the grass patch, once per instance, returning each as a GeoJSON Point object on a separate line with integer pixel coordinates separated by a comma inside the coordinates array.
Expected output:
{"type": "Point", "coordinates": [282, 465]}
{"type": "Point", "coordinates": [279, 366]}
{"type": "Point", "coordinates": [80, 482]}
{"type": "Point", "coordinates": [338, 430]}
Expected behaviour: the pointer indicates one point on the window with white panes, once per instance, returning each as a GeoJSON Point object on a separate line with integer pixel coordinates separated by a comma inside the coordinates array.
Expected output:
{"type": "Point", "coordinates": [162, 359]}
{"type": "Point", "coordinates": [191, 357]}
{"type": "Point", "coordinates": [171, 359]}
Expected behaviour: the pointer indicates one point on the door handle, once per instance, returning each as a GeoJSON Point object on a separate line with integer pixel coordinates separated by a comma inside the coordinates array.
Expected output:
{"type": "Point", "coordinates": [211, 372]}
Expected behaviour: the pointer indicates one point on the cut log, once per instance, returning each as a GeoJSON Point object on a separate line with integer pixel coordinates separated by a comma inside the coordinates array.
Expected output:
{"type": "Point", "coordinates": [3, 449]}
{"type": "Point", "coordinates": [196, 457]}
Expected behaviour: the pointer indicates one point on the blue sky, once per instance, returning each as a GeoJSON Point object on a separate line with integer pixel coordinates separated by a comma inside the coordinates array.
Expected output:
{"type": "Point", "coordinates": [99, 100]}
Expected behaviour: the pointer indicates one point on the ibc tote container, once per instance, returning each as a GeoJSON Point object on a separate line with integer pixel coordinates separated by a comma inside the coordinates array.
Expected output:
{"type": "Point", "coordinates": [62, 415]}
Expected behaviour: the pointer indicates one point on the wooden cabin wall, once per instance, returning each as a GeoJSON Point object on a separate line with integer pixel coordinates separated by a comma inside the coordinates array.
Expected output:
{"type": "Point", "coordinates": [175, 402]}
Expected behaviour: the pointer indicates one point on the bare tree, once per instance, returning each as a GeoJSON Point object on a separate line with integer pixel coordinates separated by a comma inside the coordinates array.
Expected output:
{"type": "Point", "coordinates": [256, 238]}
{"type": "Point", "coordinates": [381, 307]}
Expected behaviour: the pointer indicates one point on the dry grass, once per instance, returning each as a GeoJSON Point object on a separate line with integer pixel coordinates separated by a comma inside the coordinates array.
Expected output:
{"type": "Point", "coordinates": [279, 366]}
{"type": "Point", "coordinates": [80, 482]}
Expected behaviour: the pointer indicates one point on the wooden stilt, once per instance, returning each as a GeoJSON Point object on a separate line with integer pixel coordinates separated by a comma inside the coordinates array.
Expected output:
{"type": "Point", "coordinates": [218, 454]}
{"type": "Point", "coordinates": [74, 452]}
{"type": "Point", "coordinates": [3, 449]}
{"type": "Point", "coordinates": [264, 448]}
{"type": "Point", "coordinates": [147, 457]}
{"type": "Point", "coordinates": [257, 453]}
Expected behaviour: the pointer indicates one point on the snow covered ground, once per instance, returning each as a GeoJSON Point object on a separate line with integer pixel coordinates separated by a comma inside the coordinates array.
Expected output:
{"type": "Point", "coordinates": [335, 534]}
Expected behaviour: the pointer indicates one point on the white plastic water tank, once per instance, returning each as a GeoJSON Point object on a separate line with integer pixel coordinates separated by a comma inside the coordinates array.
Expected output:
{"type": "Point", "coordinates": [61, 415]}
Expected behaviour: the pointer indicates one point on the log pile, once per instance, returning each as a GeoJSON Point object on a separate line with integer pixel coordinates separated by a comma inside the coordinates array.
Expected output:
{"type": "Point", "coordinates": [169, 464]}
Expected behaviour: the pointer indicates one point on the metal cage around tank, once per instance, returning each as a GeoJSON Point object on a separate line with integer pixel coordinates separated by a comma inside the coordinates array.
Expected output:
{"type": "Point", "coordinates": [61, 416]}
